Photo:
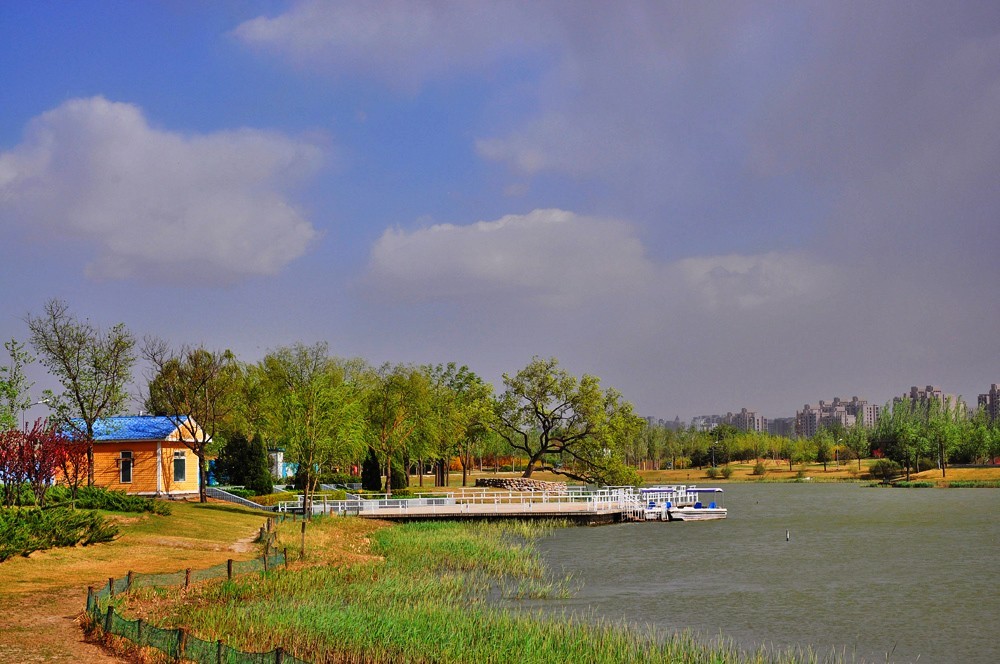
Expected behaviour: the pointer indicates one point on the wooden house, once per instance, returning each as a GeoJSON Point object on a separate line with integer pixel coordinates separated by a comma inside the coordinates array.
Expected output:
{"type": "Point", "coordinates": [145, 454]}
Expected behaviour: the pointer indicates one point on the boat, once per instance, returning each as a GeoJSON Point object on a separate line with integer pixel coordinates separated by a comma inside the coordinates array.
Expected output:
{"type": "Point", "coordinates": [698, 511]}
{"type": "Point", "coordinates": [681, 503]}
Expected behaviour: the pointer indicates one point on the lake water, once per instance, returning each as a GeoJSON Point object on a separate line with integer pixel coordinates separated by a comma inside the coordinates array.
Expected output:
{"type": "Point", "coordinates": [866, 571]}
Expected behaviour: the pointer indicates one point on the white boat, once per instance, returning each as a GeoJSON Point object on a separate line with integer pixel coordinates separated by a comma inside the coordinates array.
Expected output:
{"type": "Point", "coordinates": [680, 503]}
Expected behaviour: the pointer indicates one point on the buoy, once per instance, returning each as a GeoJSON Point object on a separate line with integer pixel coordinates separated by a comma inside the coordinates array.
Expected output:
{"type": "Point", "coordinates": [788, 536]}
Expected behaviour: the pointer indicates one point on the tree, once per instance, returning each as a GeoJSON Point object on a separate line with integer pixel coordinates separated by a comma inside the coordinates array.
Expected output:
{"type": "Point", "coordinates": [546, 411]}
{"type": "Point", "coordinates": [14, 386]}
{"type": "Point", "coordinates": [397, 405]}
{"type": "Point", "coordinates": [856, 440]}
{"type": "Point", "coordinates": [245, 462]}
{"type": "Point", "coordinates": [822, 446]}
{"type": "Point", "coordinates": [94, 367]}
{"type": "Point", "coordinates": [192, 385]}
{"type": "Point", "coordinates": [312, 405]}
{"type": "Point", "coordinates": [460, 406]}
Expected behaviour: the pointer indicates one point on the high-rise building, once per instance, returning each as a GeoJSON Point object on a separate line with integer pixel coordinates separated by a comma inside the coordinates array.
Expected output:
{"type": "Point", "coordinates": [809, 420]}
{"type": "Point", "coordinates": [746, 420]}
{"type": "Point", "coordinates": [991, 402]}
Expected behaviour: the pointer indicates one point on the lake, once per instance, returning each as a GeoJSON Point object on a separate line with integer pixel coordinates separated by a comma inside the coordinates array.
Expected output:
{"type": "Point", "coordinates": [866, 571]}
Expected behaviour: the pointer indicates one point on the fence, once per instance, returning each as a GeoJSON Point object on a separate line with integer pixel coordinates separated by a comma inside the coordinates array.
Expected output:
{"type": "Point", "coordinates": [178, 643]}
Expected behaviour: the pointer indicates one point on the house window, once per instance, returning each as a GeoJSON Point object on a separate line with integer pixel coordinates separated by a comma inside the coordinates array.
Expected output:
{"type": "Point", "coordinates": [180, 467]}
{"type": "Point", "coordinates": [125, 467]}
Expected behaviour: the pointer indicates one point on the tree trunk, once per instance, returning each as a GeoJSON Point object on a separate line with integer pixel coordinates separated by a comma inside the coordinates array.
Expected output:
{"type": "Point", "coordinates": [202, 478]}
{"type": "Point", "coordinates": [388, 476]}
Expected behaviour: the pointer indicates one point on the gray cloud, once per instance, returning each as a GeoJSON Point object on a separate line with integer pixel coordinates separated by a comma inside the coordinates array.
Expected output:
{"type": "Point", "coordinates": [158, 205]}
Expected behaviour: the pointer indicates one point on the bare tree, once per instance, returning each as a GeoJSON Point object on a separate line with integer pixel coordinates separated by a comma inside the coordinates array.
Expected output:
{"type": "Point", "coordinates": [93, 365]}
{"type": "Point", "coordinates": [194, 388]}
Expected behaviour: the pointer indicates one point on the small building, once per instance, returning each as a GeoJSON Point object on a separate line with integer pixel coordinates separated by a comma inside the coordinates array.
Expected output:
{"type": "Point", "coordinates": [145, 454]}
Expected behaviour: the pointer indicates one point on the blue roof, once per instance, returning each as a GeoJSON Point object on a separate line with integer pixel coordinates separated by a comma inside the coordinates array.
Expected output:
{"type": "Point", "coordinates": [132, 427]}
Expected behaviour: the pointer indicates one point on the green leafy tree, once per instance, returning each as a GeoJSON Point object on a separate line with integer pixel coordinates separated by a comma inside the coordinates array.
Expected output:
{"type": "Point", "coordinates": [460, 408]}
{"type": "Point", "coordinates": [856, 440]}
{"type": "Point", "coordinates": [192, 384]}
{"type": "Point", "coordinates": [93, 365]}
{"type": "Point", "coordinates": [15, 388]}
{"type": "Point", "coordinates": [544, 411]}
{"type": "Point", "coordinates": [823, 446]}
{"type": "Point", "coordinates": [245, 462]}
{"type": "Point", "coordinates": [313, 406]}
{"type": "Point", "coordinates": [397, 406]}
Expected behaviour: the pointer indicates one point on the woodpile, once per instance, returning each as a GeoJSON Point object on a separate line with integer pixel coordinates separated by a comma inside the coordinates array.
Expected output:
{"type": "Point", "coordinates": [521, 484]}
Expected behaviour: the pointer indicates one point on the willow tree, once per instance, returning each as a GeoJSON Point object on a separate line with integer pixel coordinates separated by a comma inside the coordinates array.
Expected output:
{"type": "Point", "coordinates": [312, 404]}
{"type": "Point", "coordinates": [93, 365]}
{"type": "Point", "coordinates": [196, 390]}
{"type": "Point", "coordinates": [397, 408]}
{"type": "Point", "coordinates": [460, 409]}
{"type": "Point", "coordinates": [546, 412]}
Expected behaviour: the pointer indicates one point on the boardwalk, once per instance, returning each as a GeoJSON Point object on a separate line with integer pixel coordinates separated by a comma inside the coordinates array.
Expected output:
{"type": "Point", "coordinates": [595, 506]}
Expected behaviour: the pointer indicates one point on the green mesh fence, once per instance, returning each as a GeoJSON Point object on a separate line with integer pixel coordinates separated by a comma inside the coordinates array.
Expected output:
{"type": "Point", "coordinates": [173, 642]}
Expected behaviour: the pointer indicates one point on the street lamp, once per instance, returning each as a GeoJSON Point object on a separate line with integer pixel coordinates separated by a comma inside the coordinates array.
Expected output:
{"type": "Point", "coordinates": [24, 411]}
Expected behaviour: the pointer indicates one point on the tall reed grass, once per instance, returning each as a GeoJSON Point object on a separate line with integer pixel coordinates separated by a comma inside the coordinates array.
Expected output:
{"type": "Point", "coordinates": [425, 598]}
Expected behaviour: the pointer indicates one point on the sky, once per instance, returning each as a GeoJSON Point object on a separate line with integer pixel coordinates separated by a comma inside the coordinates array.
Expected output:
{"type": "Point", "coordinates": [709, 205]}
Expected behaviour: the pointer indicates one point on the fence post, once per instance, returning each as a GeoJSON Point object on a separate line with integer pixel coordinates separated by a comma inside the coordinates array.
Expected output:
{"type": "Point", "coordinates": [90, 598]}
{"type": "Point", "coordinates": [111, 586]}
{"type": "Point", "coordinates": [128, 581]}
{"type": "Point", "coordinates": [107, 619]}
{"type": "Point", "coordinates": [265, 559]}
{"type": "Point", "coordinates": [218, 652]}
{"type": "Point", "coordinates": [302, 550]}
{"type": "Point", "coordinates": [279, 655]}
{"type": "Point", "coordinates": [181, 643]}
{"type": "Point", "coordinates": [187, 578]}
{"type": "Point", "coordinates": [229, 569]}
{"type": "Point", "coordinates": [138, 632]}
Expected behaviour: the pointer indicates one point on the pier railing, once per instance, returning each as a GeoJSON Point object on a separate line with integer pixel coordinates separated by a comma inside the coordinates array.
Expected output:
{"type": "Point", "coordinates": [627, 500]}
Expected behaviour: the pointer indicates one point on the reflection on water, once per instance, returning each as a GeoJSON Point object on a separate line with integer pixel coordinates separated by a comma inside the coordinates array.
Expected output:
{"type": "Point", "coordinates": [865, 571]}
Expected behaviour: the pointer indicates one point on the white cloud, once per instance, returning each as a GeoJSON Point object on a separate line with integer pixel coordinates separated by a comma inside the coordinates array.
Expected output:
{"type": "Point", "coordinates": [157, 204]}
{"type": "Point", "coordinates": [404, 43]}
{"type": "Point", "coordinates": [558, 257]}
{"type": "Point", "coordinates": [549, 256]}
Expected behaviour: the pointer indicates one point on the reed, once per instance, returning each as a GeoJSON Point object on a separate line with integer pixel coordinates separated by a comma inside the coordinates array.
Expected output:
{"type": "Point", "coordinates": [427, 595]}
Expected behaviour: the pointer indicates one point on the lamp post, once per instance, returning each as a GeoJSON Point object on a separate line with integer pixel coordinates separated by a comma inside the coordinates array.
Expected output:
{"type": "Point", "coordinates": [24, 411]}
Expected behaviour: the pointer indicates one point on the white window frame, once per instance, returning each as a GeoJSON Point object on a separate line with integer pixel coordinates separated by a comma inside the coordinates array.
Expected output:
{"type": "Point", "coordinates": [180, 455]}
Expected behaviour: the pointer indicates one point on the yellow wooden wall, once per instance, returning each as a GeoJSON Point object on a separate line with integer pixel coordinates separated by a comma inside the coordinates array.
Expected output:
{"type": "Point", "coordinates": [107, 474]}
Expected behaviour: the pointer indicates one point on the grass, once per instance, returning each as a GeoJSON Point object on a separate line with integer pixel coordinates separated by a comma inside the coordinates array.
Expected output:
{"type": "Point", "coordinates": [421, 592]}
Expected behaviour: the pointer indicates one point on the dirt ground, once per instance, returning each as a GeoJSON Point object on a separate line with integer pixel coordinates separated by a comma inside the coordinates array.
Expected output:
{"type": "Point", "coordinates": [43, 596]}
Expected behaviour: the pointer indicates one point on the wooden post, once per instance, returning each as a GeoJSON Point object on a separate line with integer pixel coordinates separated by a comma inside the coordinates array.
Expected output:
{"type": "Point", "coordinates": [107, 619]}
{"type": "Point", "coordinates": [111, 586]}
{"type": "Point", "coordinates": [286, 557]}
{"type": "Point", "coordinates": [279, 655]}
{"type": "Point", "coordinates": [138, 632]}
{"type": "Point", "coordinates": [302, 550]}
{"type": "Point", "coordinates": [90, 598]}
{"type": "Point", "coordinates": [218, 652]}
{"type": "Point", "coordinates": [229, 569]}
{"type": "Point", "coordinates": [265, 559]}
{"type": "Point", "coordinates": [187, 577]}
{"type": "Point", "coordinates": [128, 581]}
{"type": "Point", "coordinates": [181, 643]}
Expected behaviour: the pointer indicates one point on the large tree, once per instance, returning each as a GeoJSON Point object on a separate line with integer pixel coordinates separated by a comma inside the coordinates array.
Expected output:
{"type": "Point", "coordinates": [546, 412]}
{"type": "Point", "coordinates": [397, 407]}
{"type": "Point", "coordinates": [93, 365]}
{"type": "Point", "coordinates": [460, 406]}
{"type": "Point", "coordinates": [313, 407]}
{"type": "Point", "coordinates": [196, 384]}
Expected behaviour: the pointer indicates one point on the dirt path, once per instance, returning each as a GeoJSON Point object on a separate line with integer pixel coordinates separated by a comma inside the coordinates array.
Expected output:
{"type": "Point", "coordinates": [44, 627]}
{"type": "Point", "coordinates": [43, 596]}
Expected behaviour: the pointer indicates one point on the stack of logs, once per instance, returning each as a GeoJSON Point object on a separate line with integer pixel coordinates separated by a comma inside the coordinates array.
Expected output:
{"type": "Point", "coordinates": [521, 484]}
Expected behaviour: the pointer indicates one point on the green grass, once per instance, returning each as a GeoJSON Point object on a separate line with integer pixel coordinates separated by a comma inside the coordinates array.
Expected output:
{"type": "Point", "coordinates": [428, 596]}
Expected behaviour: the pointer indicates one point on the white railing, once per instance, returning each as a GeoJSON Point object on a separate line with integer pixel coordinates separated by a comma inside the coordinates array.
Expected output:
{"type": "Point", "coordinates": [626, 500]}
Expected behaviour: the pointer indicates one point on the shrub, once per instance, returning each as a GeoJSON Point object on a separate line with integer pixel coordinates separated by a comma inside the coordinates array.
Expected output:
{"type": "Point", "coordinates": [884, 469]}
{"type": "Point", "coordinates": [759, 469]}
{"type": "Point", "coordinates": [97, 498]}
{"type": "Point", "coordinates": [915, 485]}
{"type": "Point", "coordinates": [726, 472]}
{"type": "Point", "coordinates": [712, 472]}
{"type": "Point", "coordinates": [926, 464]}
{"type": "Point", "coordinates": [24, 531]}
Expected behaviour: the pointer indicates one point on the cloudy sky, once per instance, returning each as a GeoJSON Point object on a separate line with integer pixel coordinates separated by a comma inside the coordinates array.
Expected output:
{"type": "Point", "coordinates": [710, 205]}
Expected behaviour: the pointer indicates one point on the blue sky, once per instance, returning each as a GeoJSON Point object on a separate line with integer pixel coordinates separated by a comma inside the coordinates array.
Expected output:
{"type": "Point", "coordinates": [709, 205]}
